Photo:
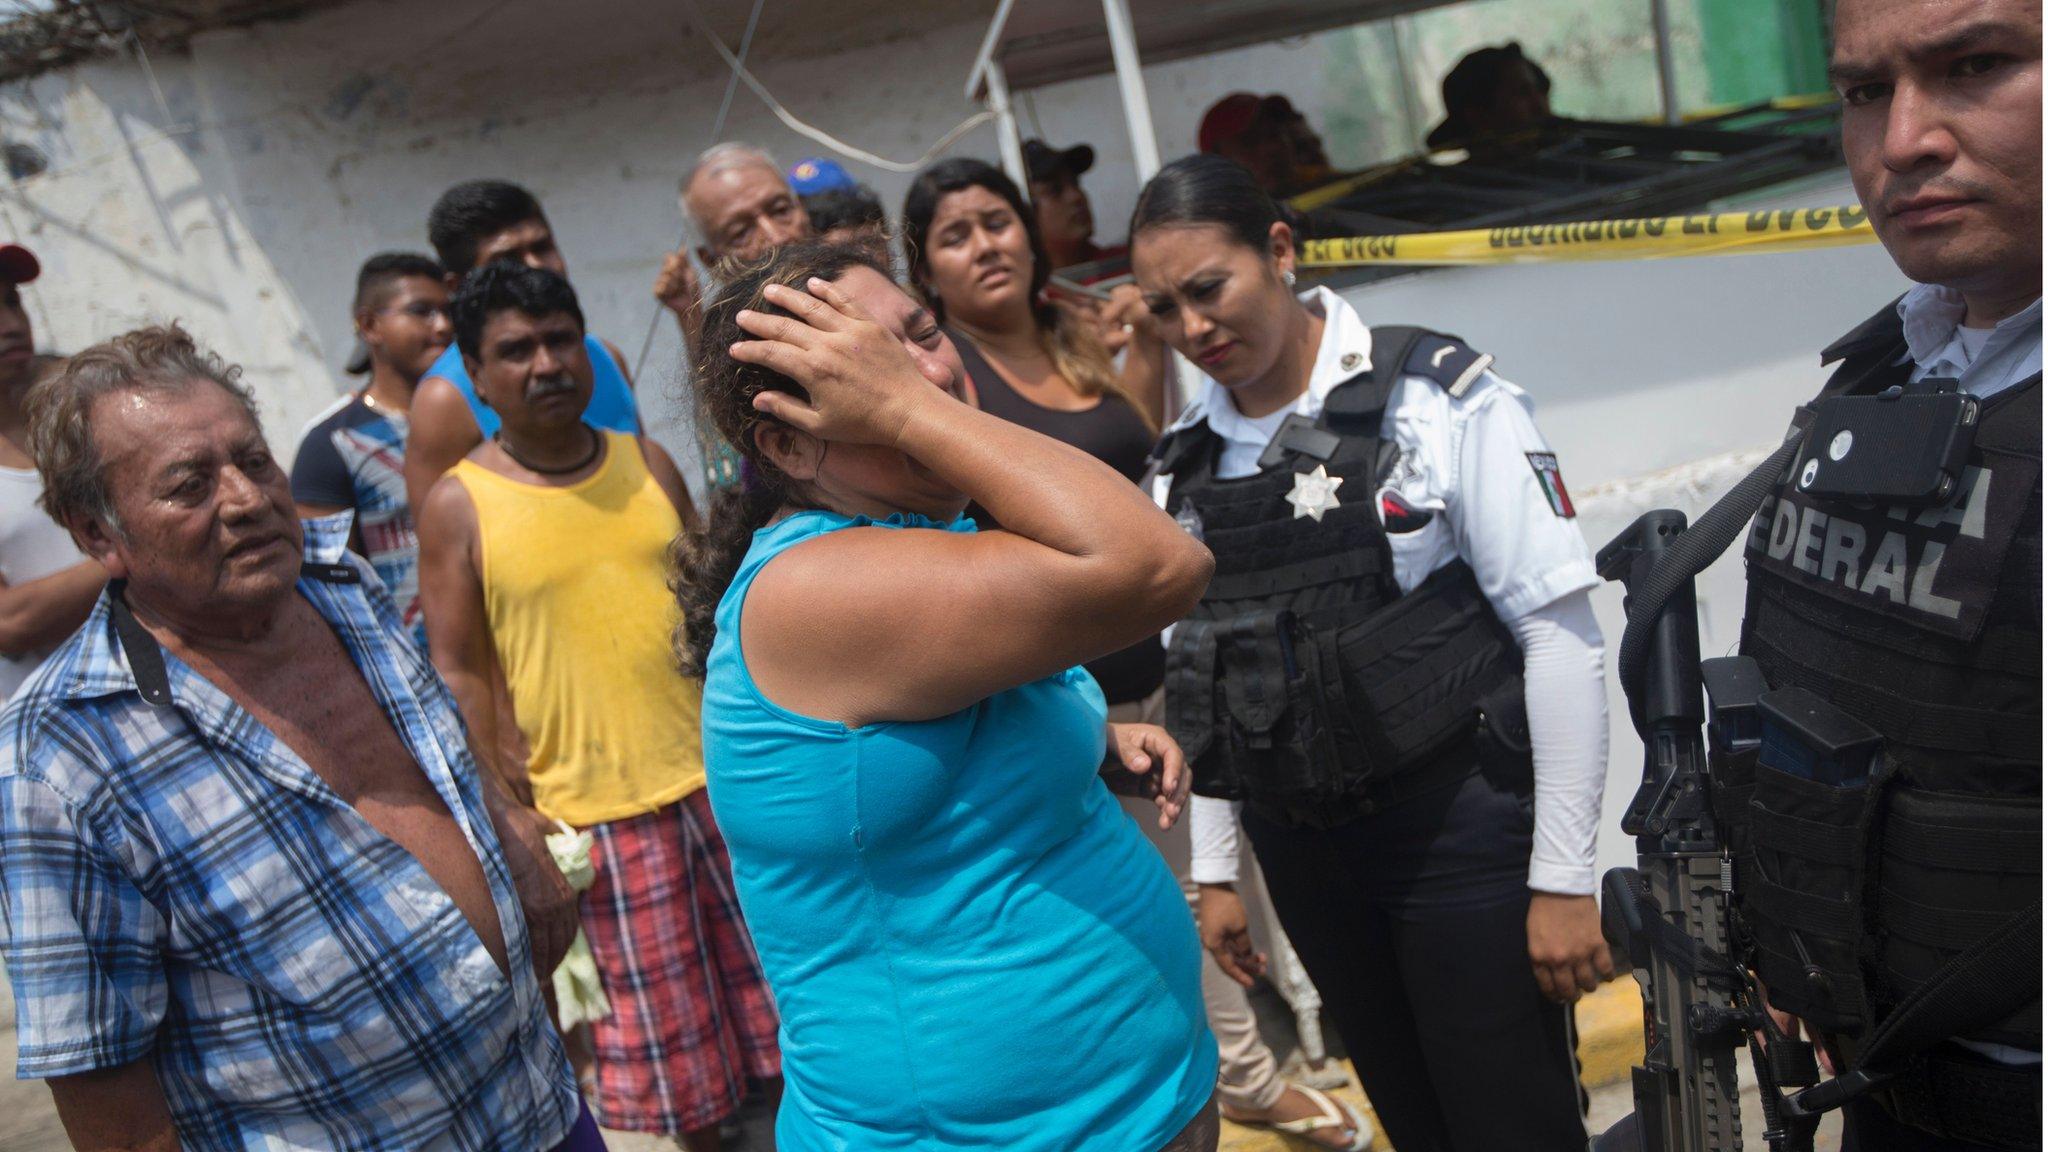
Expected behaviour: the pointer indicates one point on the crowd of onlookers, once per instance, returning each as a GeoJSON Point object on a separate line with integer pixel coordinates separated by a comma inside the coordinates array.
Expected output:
{"type": "Point", "coordinates": [520, 612]}
{"type": "Point", "coordinates": [331, 945]}
{"type": "Point", "coordinates": [467, 786]}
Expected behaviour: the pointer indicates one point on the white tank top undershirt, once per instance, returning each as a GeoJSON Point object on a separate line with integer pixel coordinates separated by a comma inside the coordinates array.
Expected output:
{"type": "Point", "coordinates": [32, 546]}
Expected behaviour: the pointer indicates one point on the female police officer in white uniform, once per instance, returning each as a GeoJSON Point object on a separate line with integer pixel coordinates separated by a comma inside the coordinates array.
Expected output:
{"type": "Point", "coordinates": [1398, 576]}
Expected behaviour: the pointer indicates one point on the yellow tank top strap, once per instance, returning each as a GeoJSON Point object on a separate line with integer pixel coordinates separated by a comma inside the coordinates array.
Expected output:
{"type": "Point", "coordinates": [576, 592]}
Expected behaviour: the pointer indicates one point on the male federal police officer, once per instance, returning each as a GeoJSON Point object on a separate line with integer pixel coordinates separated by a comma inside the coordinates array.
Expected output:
{"type": "Point", "coordinates": [1895, 574]}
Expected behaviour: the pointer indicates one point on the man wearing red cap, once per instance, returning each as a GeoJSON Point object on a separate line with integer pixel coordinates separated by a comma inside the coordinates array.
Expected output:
{"type": "Point", "coordinates": [1270, 139]}
{"type": "Point", "coordinates": [47, 586]}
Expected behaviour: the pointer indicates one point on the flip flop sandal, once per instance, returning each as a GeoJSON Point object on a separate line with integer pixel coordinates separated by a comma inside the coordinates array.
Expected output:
{"type": "Point", "coordinates": [1336, 1114]}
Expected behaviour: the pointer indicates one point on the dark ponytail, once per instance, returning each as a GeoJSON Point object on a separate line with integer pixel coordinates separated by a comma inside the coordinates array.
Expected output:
{"type": "Point", "coordinates": [1204, 189]}
{"type": "Point", "coordinates": [702, 564]}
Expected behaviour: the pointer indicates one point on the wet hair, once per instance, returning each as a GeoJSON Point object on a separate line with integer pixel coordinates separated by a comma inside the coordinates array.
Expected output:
{"type": "Point", "coordinates": [1206, 189]}
{"type": "Point", "coordinates": [472, 212]}
{"type": "Point", "coordinates": [379, 274]}
{"type": "Point", "coordinates": [504, 286]}
{"type": "Point", "coordinates": [855, 207]}
{"type": "Point", "coordinates": [703, 562]}
{"type": "Point", "coordinates": [159, 359]}
{"type": "Point", "coordinates": [1074, 350]}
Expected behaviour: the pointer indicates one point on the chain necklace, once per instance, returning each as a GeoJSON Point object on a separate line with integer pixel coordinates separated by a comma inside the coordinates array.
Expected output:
{"type": "Point", "coordinates": [596, 444]}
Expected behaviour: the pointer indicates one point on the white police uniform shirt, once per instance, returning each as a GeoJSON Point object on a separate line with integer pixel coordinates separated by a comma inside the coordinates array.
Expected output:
{"type": "Point", "coordinates": [1986, 361]}
{"type": "Point", "coordinates": [1476, 481]}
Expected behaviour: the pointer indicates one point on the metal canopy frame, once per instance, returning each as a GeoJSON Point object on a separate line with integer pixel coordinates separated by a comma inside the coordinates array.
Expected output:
{"type": "Point", "coordinates": [1033, 43]}
{"type": "Point", "coordinates": [1591, 168]}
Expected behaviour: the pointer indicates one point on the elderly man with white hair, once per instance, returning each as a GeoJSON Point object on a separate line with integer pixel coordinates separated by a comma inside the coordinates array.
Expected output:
{"type": "Point", "coordinates": [741, 207]}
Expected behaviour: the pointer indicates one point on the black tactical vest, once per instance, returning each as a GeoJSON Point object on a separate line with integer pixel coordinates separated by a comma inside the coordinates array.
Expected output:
{"type": "Point", "coordinates": [1925, 626]}
{"type": "Point", "coordinates": [1305, 683]}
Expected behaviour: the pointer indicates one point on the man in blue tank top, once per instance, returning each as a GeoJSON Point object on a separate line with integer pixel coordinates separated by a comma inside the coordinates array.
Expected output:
{"type": "Point", "coordinates": [475, 223]}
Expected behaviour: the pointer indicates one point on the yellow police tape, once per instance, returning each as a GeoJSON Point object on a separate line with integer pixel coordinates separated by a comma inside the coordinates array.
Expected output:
{"type": "Point", "coordinates": [1778, 230]}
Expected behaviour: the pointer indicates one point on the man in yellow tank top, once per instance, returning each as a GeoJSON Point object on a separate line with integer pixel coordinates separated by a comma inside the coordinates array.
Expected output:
{"type": "Point", "coordinates": [543, 572]}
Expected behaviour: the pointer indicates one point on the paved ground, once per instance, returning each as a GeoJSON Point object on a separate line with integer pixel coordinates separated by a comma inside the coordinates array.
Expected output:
{"type": "Point", "coordinates": [28, 1123]}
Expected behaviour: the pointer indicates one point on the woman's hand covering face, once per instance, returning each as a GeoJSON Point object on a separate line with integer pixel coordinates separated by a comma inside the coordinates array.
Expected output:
{"type": "Point", "coordinates": [863, 384]}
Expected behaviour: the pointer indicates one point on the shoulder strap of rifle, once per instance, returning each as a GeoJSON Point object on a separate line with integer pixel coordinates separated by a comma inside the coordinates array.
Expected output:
{"type": "Point", "coordinates": [1699, 546]}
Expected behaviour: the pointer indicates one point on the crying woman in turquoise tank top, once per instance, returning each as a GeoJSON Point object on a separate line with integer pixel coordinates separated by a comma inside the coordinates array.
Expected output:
{"type": "Point", "coordinates": [969, 944]}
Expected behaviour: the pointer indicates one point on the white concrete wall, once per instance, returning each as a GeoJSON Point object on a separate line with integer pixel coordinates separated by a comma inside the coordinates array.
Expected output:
{"type": "Point", "coordinates": [237, 186]}
{"type": "Point", "coordinates": [283, 154]}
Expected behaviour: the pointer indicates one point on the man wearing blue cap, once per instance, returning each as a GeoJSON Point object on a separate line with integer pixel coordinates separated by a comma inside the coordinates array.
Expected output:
{"type": "Point", "coordinates": [842, 210]}
{"type": "Point", "coordinates": [818, 174]}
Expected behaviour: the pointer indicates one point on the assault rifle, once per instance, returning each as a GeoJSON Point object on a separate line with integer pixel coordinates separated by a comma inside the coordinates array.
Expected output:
{"type": "Point", "coordinates": [1675, 915]}
{"type": "Point", "coordinates": [1670, 915]}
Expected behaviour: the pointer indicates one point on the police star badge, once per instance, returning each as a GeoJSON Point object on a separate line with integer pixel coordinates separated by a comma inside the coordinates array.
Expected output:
{"type": "Point", "coordinates": [1314, 493]}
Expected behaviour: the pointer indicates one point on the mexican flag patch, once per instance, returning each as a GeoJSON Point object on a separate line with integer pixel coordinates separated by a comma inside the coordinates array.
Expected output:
{"type": "Point", "coordinates": [1550, 478]}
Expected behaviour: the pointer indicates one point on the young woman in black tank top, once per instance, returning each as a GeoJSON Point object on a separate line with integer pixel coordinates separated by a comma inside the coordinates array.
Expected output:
{"type": "Point", "coordinates": [976, 256]}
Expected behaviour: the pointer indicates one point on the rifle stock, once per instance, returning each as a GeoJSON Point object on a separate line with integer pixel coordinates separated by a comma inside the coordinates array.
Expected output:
{"type": "Point", "coordinates": [1669, 914]}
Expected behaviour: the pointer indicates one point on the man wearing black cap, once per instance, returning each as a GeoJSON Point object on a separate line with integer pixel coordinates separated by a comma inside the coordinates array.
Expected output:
{"type": "Point", "coordinates": [1493, 98]}
{"type": "Point", "coordinates": [47, 586]}
{"type": "Point", "coordinates": [1064, 218]}
{"type": "Point", "coordinates": [1067, 225]}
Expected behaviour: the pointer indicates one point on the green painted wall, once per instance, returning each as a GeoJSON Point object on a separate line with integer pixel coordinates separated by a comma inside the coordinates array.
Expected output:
{"type": "Point", "coordinates": [1381, 90]}
{"type": "Point", "coordinates": [1757, 49]}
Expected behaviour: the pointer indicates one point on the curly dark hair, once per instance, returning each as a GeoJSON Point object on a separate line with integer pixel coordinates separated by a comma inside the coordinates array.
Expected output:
{"type": "Point", "coordinates": [703, 563]}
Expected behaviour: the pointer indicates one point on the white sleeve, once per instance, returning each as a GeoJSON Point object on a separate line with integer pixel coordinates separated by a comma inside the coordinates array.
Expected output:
{"type": "Point", "coordinates": [1212, 826]}
{"type": "Point", "coordinates": [1563, 662]}
{"type": "Point", "coordinates": [1512, 518]}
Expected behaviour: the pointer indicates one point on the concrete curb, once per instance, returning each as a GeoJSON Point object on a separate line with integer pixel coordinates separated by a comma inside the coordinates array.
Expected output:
{"type": "Point", "coordinates": [1610, 1043]}
{"type": "Point", "coordinates": [1610, 1033]}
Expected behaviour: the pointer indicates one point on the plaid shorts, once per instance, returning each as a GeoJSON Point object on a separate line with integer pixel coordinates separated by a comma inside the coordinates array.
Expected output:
{"type": "Point", "coordinates": [692, 1018]}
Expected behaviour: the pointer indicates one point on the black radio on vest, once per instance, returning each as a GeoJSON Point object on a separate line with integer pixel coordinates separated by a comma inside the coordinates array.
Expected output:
{"type": "Point", "coordinates": [1876, 746]}
{"type": "Point", "coordinates": [1305, 683]}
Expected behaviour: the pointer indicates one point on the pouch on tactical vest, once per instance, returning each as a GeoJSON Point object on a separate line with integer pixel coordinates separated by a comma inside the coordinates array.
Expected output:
{"type": "Point", "coordinates": [1808, 869]}
{"type": "Point", "coordinates": [1319, 724]}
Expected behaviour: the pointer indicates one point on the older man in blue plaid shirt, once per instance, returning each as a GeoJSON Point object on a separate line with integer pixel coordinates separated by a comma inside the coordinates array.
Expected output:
{"type": "Point", "coordinates": [253, 890]}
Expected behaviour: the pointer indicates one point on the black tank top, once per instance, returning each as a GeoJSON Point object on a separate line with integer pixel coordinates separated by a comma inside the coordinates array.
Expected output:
{"type": "Point", "coordinates": [1113, 433]}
